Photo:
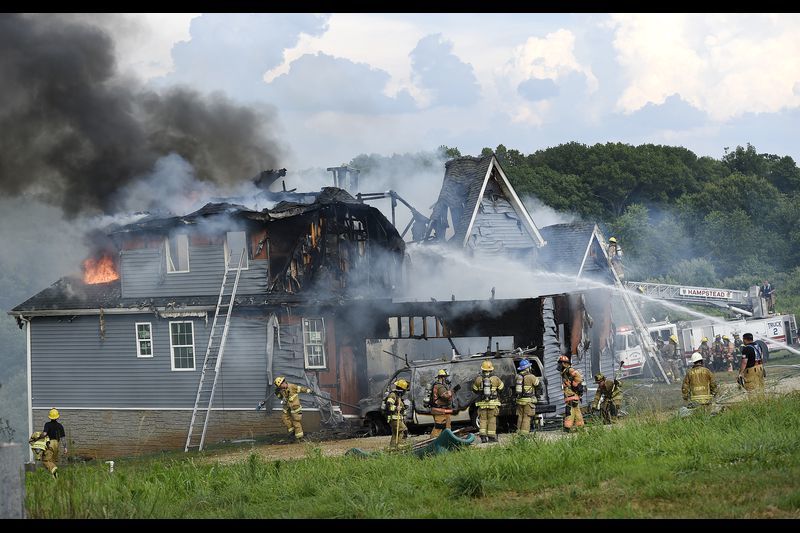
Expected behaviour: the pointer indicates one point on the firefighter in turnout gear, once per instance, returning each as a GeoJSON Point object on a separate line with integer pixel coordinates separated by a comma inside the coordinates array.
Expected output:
{"type": "Point", "coordinates": [526, 391]}
{"type": "Point", "coordinates": [396, 414]}
{"type": "Point", "coordinates": [737, 350]}
{"type": "Point", "coordinates": [488, 386]}
{"type": "Point", "coordinates": [727, 352]}
{"type": "Point", "coordinates": [699, 386]}
{"type": "Point", "coordinates": [608, 398]}
{"type": "Point", "coordinates": [718, 353]}
{"type": "Point", "coordinates": [674, 357]}
{"type": "Point", "coordinates": [572, 383]}
{"type": "Point", "coordinates": [40, 444]}
{"type": "Point", "coordinates": [55, 434]}
{"type": "Point", "coordinates": [751, 367]}
{"type": "Point", "coordinates": [292, 417]}
{"type": "Point", "coordinates": [705, 351]}
{"type": "Point", "coordinates": [441, 403]}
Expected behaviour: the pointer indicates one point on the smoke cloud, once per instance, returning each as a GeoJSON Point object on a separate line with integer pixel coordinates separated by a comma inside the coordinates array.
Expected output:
{"type": "Point", "coordinates": [75, 132]}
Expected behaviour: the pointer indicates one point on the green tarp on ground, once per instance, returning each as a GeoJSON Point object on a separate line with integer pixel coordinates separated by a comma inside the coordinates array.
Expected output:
{"type": "Point", "coordinates": [445, 442]}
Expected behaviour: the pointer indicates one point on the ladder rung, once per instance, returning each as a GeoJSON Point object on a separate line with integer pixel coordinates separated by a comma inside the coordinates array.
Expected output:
{"type": "Point", "coordinates": [213, 357]}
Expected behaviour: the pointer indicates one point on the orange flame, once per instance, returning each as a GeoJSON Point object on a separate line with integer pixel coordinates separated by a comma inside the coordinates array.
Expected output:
{"type": "Point", "coordinates": [99, 270]}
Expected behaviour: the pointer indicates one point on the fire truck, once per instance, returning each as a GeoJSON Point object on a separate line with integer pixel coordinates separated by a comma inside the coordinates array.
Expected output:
{"type": "Point", "coordinates": [774, 330]}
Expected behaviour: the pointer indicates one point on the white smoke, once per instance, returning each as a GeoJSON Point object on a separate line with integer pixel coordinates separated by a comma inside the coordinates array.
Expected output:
{"type": "Point", "coordinates": [543, 215]}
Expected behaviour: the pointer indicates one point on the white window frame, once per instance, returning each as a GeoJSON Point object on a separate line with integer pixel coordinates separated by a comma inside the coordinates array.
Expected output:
{"type": "Point", "coordinates": [246, 260]}
{"type": "Point", "coordinates": [322, 343]}
{"type": "Point", "coordinates": [139, 341]}
{"type": "Point", "coordinates": [168, 256]}
{"type": "Point", "coordinates": [172, 347]}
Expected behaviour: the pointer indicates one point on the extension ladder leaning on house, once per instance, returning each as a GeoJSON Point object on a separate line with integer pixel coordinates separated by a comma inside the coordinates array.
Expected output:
{"type": "Point", "coordinates": [213, 360]}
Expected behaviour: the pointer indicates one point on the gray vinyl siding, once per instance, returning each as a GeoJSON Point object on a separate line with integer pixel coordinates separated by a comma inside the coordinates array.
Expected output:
{"type": "Point", "coordinates": [144, 274]}
{"type": "Point", "coordinates": [72, 367]}
{"type": "Point", "coordinates": [498, 228]}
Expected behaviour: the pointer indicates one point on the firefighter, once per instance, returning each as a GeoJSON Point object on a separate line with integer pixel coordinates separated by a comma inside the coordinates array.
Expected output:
{"type": "Point", "coordinates": [396, 414]}
{"type": "Point", "coordinates": [441, 403]}
{"type": "Point", "coordinates": [768, 293]}
{"type": "Point", "coordinates": [40, 442]}
{"type": "Point", "coordinates": [615, 255]}
{"type": "Point", "coordinates": [55, 434]}
{"type": "Point", "coordinates": [525, 390]}
{"type": "Point", "coordinates": [705, 351]}
{"type": "Point", "coordinates": [699, 386]}
{"type": "Point", "coordinates": [675, 358]}
{"type": "Point", "coordinates": [751, 367]}
{"type": "Point", "coordinates": [572, 383]}
{"type": "Point", "coordinates": [718, 353]}
{"type": "Point", "coordinates": [488, 386]}
{"type": "Point", "coordinates": [737, 350]}
{"type": "Point", "coordinates": [608, 398]}
{"type": "Point", "coordinates": [727, 352]}
{"type": "Point", "coordinates": [292, 417]}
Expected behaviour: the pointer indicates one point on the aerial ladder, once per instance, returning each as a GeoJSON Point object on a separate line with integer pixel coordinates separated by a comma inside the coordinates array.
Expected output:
{"type": "Point", "coordinates": [748, 303]}
{"type": "Point", "coordinates": [651, 354]}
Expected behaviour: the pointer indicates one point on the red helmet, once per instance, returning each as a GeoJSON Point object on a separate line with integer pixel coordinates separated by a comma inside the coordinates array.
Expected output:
{"type": "Point", "coordinates": [563, 359]}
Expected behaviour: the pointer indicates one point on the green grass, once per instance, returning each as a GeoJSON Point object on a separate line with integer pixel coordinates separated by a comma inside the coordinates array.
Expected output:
{"type": "Point", "coordinates": [744, 462]}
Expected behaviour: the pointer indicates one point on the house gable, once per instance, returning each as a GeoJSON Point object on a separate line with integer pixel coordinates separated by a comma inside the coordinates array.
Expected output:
{"type": "Point", "coordinates": [477, 186]}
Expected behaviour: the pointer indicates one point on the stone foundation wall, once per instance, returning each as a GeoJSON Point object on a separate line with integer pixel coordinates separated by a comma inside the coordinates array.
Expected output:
{"type": "Point", "coordinates": [106, 434]}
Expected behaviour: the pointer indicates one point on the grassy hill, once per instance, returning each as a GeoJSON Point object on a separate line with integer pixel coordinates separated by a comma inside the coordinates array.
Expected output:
{"type": "Point", "coordinates": [741, 463]}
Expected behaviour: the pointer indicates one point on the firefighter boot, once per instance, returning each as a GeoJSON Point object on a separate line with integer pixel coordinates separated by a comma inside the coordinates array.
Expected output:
{"type": "Point", "coordinates": [484, 438]}
{"type": "Point", "coordinates": [493, 438]}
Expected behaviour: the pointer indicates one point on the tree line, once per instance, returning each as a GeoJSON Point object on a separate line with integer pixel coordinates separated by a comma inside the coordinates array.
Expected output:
{"type": "Point", "coordinates": [729, 222]}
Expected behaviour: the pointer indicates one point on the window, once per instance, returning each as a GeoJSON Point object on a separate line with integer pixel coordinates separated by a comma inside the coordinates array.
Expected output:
{"type": "Point", "coordinates": [236, 242]}
{"type": "Point", "coordinates": [144, 339]}
{"type": "Point", "coordinates": [177, 253]}
{"type": "Point", "coordinates": [314, 342]}
{"type": "Point", "coordinates": [181, 342]}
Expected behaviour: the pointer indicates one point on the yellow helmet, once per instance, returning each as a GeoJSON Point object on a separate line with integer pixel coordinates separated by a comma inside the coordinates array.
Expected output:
{"type": "Point", "coordinates": [487, 366]}
{"type": "Point", "coordinates": [442, 372]}
{"type": "Point", "coordinates": [401, 384]}
{"type": "Point", "coordinates": [725, 338]}
{"type": "Point", "coordinates": [673, 338]}
{"type": "Point", "coordinates": [53, 415]}
{"type": "Point", "coordinates": [599, 377]}
{"type": "Point", "coordinates": [704, 339]}
{"type": "Point", "coordinates": [612, 239]}
{"type": "Point", "coordinates": [279, 380]}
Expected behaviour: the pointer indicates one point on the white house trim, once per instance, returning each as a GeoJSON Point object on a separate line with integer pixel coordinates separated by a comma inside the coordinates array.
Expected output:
{"type": "Point", "coordinates": [138, 345]}
{"type": "Point", "coordinates": [30, 387]}
{"type": "Point", "coordinates": [505, 185]}
{"type": "Point", "coordinates": [172, 351]}
{"type": "Point", "coordinates": [111, 311]}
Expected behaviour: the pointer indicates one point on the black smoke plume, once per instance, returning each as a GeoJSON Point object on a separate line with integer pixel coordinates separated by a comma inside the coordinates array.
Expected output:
{"type": "Point", "coordinates": [73, 132]}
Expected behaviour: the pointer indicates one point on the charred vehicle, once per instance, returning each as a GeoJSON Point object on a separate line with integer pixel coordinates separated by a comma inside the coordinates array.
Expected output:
{"type": "Point", "coordinates": [463, 370]}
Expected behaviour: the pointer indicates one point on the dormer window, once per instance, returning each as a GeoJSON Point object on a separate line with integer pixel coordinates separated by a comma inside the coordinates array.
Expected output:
{"type": "Point", "coordinates": [235, 242]}
{"type": "Point", "coordinates": [177, 248]}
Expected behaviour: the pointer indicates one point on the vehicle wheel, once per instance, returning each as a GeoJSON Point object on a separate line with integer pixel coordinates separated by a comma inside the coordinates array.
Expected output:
{"type": "Point", "coordinates": [377, 426]}
{"type": "Point", "coordinates": [475, 418]}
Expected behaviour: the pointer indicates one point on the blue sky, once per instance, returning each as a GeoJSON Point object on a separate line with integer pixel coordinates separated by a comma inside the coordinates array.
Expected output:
{"type": "Point", "coordinates": [344, 84]}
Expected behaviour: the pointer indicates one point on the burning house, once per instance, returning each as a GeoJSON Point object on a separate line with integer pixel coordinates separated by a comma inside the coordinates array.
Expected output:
{"type": "Point", "coordinates": [314, 285]}
{"type": "Point", "coordinates": [479, 213]}
{"type": "Point", "coordinates": [120, 349]}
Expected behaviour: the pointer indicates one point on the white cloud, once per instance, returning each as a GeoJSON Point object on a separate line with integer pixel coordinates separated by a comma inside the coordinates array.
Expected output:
{"type": "Point", "coordinates": [375, 39]}
{"type": "Point", "coordinates": [550, 57]}
{"type": "Point", "coordinates": [725, 65]}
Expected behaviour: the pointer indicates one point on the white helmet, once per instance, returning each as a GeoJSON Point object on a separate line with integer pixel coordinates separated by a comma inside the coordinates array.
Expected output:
{"type": "Point", "coordinates": [696, 357]}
